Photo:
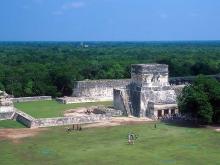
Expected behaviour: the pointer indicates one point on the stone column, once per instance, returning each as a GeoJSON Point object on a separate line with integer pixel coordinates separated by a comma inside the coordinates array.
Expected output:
{"type": "Point", "coordinates": [169, 111]}
{"type": "Point", "coordinates": [162, 112]}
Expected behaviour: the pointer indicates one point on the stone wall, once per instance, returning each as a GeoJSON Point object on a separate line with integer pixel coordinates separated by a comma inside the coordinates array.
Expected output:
{"type": "Point", "coordinates": [23, 118]}
{"type": "Point", "coordinates": [149, 75]}
{"type": "Point", "coordinates": [98, 88]}
{"type": "Point", "coordinates": [31, 122]}
{"type": "Point", "coordinates": [121, 101]}
{"type": "Point", "coordinates": [135, 99]}
{"type": "Point", "coordinates": [6, 109]}
{"type": "Point", "coordinates": [104, 88]}
{"type": "Point", "coordinates": [118, 100]}
{"type": "Point", "coordinates": [60, 121]}
{"type": "Point", "coordinates": [6, 115]}
{"type": "Point", "coordinates": [71, 100]}
{"type": "Point", "coordinates": [27, 99]}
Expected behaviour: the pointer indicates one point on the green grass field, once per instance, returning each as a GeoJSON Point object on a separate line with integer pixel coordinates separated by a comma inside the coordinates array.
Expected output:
{"type": "Point", "coordinates": [165, 145]}
{"type": "Point", "coordinates": [10, 124]}
{"type": "Point", "coordinates": [47, 109]}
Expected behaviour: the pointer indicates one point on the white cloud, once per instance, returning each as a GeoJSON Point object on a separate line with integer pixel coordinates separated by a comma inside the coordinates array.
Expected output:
{"type": "Point", "coordinates": [69, 6]}
{"type": "Point", "coordinates": [73, 5]}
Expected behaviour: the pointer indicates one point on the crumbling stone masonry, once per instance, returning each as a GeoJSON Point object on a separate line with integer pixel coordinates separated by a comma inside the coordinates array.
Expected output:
{"type": "Point", "coordinates": [8, 111]}
{"type": "Point", "coordinates": [29, 99]}
{"type": "Point", "coordinates": [93, 90]}
{"type": "Point", "coordinates": [97, 88]}
{"type": "Point", "coordinates": [6, 106]}
{"type": "Point", "coordinates": [149, 94]}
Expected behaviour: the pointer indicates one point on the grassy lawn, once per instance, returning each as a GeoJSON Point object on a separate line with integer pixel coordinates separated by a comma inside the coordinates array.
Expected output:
{"type": "Point", "coordinates": [45, 109]}
{"type": "Point", "coordinates": [10, 124]}
{"type": "Point", "coordinates": [164, 145]}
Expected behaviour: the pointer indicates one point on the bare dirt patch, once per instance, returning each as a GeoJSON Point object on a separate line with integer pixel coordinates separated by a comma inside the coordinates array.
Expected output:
{"type": "Point", "coordinates": [17, 134]}
{"type": "Point", "coordinates": [116, 121]}
{"type": "Point", "coordinates": [82, 111]}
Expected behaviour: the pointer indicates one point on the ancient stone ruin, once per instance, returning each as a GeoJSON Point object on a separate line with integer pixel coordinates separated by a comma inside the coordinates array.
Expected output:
{"type": "Point", "coordinates": [9, 112]}
{"type": "Point", "coordinates": [6, 106]}
{"type": "Point", "coordinates": [93, 91]}
{"type": "Point", "coordinates": [149, 94]}
{"type": "Point", "coordinates": [102, 90]}
{"type": "Point", "coordinates": [97, 88]}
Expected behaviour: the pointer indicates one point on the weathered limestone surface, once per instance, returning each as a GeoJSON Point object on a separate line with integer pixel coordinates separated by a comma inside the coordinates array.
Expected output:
{"type": "Point", "coordinates": [86, 91]}
{"type": "Point", "coordinates": [154, 75]}
{"type": "Point", "coordinates": [23, 118]}
{"type": "Point", "coordinates": [71, 100]}
{"type": "Point", "coordinates": [31, 122]}
{"type": "Point", "coordinates": [118, 100]}
{"type": "Point", "coordinates": [27, 99]}
{"type": "Point", "coordinates": [48, 122]}
{"type": "Point", "coordinates": [122, 101]}
{"type": "Point", "coordinates": [106, 111]}
{"type": "Point", "coordinates": [6, 106]}
{"type": "Point", "coordinates": [7, 111]}
{"type": "Point", "coordinates": [148, 89]}
{"type": "Point", "coordinates": [6, 115]}
{"type": "Point", "coordinates": [97, 88]}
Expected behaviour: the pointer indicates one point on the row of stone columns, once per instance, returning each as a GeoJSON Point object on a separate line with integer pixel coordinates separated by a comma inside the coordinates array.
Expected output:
{"type": "Point", "coordinates": [169, 111]}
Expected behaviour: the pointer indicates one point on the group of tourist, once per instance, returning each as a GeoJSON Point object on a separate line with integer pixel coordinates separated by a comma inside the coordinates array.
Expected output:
{"type": "Point", "coordinates": [76, 127]}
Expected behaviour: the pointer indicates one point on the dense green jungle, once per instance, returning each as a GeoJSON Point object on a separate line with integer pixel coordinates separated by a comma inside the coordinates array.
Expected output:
{"type": "Point", "coordinates": [50, 68]}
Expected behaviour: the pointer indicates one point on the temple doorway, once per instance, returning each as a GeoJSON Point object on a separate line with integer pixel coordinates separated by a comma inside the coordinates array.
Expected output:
{"type": "Point", "coordinates": [166, 111]}
{"type": "Point", "coordinates": [172, 111]}
{"type": "Point", "coordinates": [159, 113]}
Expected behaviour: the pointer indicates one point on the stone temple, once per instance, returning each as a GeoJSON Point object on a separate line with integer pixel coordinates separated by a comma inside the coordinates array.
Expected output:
{"type": "Point", "coordinates": [149, 93]}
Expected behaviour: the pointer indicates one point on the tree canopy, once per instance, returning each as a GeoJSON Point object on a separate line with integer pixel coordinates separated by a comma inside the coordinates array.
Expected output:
{"type": "Point", "coordinates": [201, 100]}
{"type": "Point", "coordinates": [50, 68]}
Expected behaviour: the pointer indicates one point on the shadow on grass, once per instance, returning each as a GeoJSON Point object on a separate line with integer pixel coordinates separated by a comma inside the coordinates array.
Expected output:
{"type": "Point", "coordinates": [188, 124]}
{"type": "Point", "coordinates": [21, 123]}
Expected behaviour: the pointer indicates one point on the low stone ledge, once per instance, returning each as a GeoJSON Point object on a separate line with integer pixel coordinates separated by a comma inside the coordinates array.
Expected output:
{"type": "Point", "coordinates": [31, 122]}
{"type": "Point", "coordinates": [107, 111]}
{"type": "Point", "coordinates": [23, 118]}
{"type": "Point", "coordinates": [28, 99]}
{"type": "Point", "coordinates": [72, 100]}
{"type": "Point", "coordinates": [61, 121]}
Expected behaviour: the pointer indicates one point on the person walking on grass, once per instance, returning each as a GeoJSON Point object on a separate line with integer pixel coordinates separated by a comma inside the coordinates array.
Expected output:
{"type": "Point", "coordinates": [131, 138]}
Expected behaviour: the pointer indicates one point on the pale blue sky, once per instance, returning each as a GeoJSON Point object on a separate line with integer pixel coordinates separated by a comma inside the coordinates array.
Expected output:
{"type": "Point", "coordinates": [109, 20]}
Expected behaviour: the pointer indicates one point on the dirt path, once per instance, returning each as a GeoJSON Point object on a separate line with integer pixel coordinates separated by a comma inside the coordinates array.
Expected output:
{"type": "Point", "coordinates": [116, 121]}
{"type": "Point", "coordinates": [17, 134]}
